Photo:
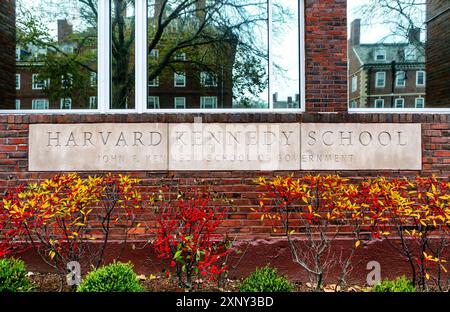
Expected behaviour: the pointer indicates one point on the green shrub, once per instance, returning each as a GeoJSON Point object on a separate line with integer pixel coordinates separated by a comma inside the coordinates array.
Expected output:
{"type": "Point", "coordinates": [266, 280]}
{"type": "Point", "coordinates": [116, 277]}
{"type": "Point", "coordinates": [13, 276]}
{"type": "Point", "coordinates": [400, 284]}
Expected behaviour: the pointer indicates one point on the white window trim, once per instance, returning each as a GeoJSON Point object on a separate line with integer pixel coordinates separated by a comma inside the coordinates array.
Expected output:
{"type": "Point", "coordinates": [204, 75]}
{"type": "Point", "coordinates": [62, 103]}
{"type": "Point", "coordinates": [141, 58]}
{"type": "Point", "coordinates": [398, 99]}
{"type": "Point", "coordinates": [397, 75]}
{"type": "Point", "coordinates": [203, 98]}
{"type": "Point", "coordinates": [384, 80]}
{"type": "Point", "coordinates": [178, 98]}
{"type": "Point", "coordinates": [18, 103]}
{"type": "Point", "coordinates": [419, 98]}
{"type": "Point", "coordinates": [157, 103]}
{"type": "Point", "coordinates": [33, 83]}
{"type": "Point", "coordinates": [417, 78]}
{"type": "Point", "coordinates": [179, 74]}
{"type": "Point", "coordinates": [93, 100]}
{"type": "Point", "coordinates": [18, 81]}
{"type": "Point", "coordinates": [375, 103]}
{"type": "Point", "coordinates": [46, 101]}
{"type": "Point", "coordinates": [376, 54]}
{"type": "Point", "coordinates": [154, 85]}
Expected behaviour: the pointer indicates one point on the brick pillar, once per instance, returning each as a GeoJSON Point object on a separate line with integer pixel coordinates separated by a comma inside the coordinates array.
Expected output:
{"type": "Point", "coordinates": [438, 53]}
{"type": "Point", "coordinates": [326, 55]}
{"type": "Point", "coordinates": [7, 54]}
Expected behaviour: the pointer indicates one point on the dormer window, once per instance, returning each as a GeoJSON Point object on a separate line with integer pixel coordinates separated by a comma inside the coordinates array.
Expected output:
{"type": "Point", "coordinates": [380, 55]}
{"type": "Point", "coordinates": [410, 53]}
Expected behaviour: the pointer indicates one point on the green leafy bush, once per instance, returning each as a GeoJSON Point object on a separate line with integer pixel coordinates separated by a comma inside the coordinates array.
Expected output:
{"type": "Point", "coordinates": [13, 276]}
{"type": "Point", "coordinates": [400, 284]}
{"type": "Point", "coordinates": [266, 280]}
{"type": "Point", "coordinates": [116, 277]}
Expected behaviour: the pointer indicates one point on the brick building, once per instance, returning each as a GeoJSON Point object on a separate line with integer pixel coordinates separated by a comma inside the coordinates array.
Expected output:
{"type": "Point", "coordinates": [438, 53]}
{"type": "Point", "coordinates": [386, 75]}
{"type": "Point", "coordinates": [7, 44]}
{"type": "Point", "coordinates": [326, 80]}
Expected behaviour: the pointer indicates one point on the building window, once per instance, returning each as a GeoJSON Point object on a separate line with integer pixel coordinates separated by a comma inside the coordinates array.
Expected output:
{"type": "Point", "coordinates": [208, 79]}
{"type": "Point", "coordinates": [18, 54]}
{"type": "Point", "coordinates": [180, 57]}
{"type": "Point", "coordinates": [93, 79]}
{"type": "Point", "coordinates": [420, 78]}
{"type": "Point", "coordinates": [92, 102]}
{"type": "Point", "coordinates": [399, 103]}
{"type": "Point", "coordinates": [354, 83]}
{"type": "Point", "coordinates": [66, 81]}
{"type": "Point", "coordinates": [400, 79]}
{"type": "Point", "coordinates": [380, 79]}
{"type": "Point", "coordinates": [379, 103]}
{"type": "Point", "coordinates": [420, 102]}
{"type": "Point", "coordinates": [153, 102]}
{"type": "Point", "coordinates": [410, 53]}
{"type": "Point", "coordinates": [180, 79]}
{"type": "Point", "coordinates": [208, 102]}
{"type": "Point", "coordinates": [353, 104]}
{"type": "Point", "coordinates": [179, 102]}
{"type": "Point", "coordinates": [66, 103]}
{"type": "Point", "coordinates": [17, 104]}
{"type": "Point", "coordinates": [154, 53]}
{"type": "Point", "coordinates": [17, 81]}
{"type": "Point", "coordinates": [380, 55]}
{"type": "Point", "coordinates": [39, 104]}
{"type": "Point", "coordinates": [154, 82]}
{"type": "Point", "coordinates": [38, 83]}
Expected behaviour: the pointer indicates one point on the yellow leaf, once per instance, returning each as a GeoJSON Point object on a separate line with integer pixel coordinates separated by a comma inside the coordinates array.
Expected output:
{"type": "Point", "coordinates": [357, 243]}
{"type": "Point", "coordinates": [52, 254]}
{"type": "Point", "coordinates": [427, 276]}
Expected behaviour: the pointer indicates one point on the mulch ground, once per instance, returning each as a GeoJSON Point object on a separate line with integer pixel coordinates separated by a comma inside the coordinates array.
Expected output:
{"type": "Point", "coordinates": [49, 282]}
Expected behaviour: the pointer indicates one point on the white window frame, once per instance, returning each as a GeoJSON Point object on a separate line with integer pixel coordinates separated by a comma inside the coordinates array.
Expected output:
{"type": "Point", "coordinates": [33, 104]}
{"type": "Point", "coordinates": [204, 98]}
{"type": "Point", "coordinates": [93, 102]}
{"type": "Point", "coordinates": [18, 82]}
{"type": "Point", "coordinates": [423, 102]}
{"type": "Point", "coordinates": [141, 61]}
{"type": "Point", "coordinates": [18, 103]}
{"type": "Point", "coordinates": [154, 83]}
{"type": "Point", "coordinates": [34, 84]}
{"type": "Point", "coordinates": [177, 75]}
{"type": "Point", "coordinates": [69, 80]}
{"type": "Point", "coordinates": [93, 79]}
{"type": "Point", "coordinates": [399, 99]}
{"type": "Point", "coordinates": [180, 57]}
{"type": "Point", "coordinates": [175, 102]}
{"type": "Point", "coordinates": [384, 79]}
{"type": "Point", "coordinates": [377, 52]}
{"type": "Point", "coordinates": [417, 78]}
{"type": "Point", "coordinates": [354, 83]}
{"type": "Point", "coordinates": [154, 53]}
{"type": "Point", "coordinates": [204, 76]}
{"type": "Point", "coordinates": [69, 100]}
{"type": "Point", "coordinates": [397, 75]}
{"type": "Point", "coordinates": [375, 103]}
{"type": "Point", "coordinates": [156, 101]}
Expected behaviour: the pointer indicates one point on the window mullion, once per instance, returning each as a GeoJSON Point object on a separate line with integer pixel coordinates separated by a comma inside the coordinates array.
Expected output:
{"type": "Point", "coordinates": [141, 58]}
{"type": "Point", "coordinates": [104, 55]}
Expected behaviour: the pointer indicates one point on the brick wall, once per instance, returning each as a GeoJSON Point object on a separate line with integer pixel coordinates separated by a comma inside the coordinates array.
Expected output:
{"type": "Point", "coordinates": [7, 53]}
{"type": "Point", "coordinates": [438, 52]}
{"type": "Point", "coordinates": [326, 55]}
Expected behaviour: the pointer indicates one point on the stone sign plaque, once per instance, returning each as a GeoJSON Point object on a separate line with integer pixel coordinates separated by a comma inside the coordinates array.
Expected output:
{"type": "Point", "coordinates": [224, 146]}
{"type": "Point", "coordinates": [92, 147]}
{"type": "Point", "coordinates": [361, 146]}
{"type": "Point", "coordinates": [248, 146]}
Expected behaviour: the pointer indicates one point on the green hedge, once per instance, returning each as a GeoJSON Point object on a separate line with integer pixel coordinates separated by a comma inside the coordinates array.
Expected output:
{"type": "Point", "coordinates": [13, 276]}
{"type": "Point", "coordinates": [266, 280]}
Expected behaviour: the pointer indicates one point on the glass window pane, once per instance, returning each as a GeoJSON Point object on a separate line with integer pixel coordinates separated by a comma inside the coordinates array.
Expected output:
{"type": "Point", "coordinates": [56, 53]}
{"type": "Point", "coordinates": [214, 54]}
{"type": "Point", "coordinates": [387, 51]}
{"type": "Point", "coordinates": [122, 53]}
{"type": "Point", "coordinates": [285, 79]}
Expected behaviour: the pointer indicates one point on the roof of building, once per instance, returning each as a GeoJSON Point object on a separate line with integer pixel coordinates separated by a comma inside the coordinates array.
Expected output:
{"type": "Point", "coordinates": [398, 52]}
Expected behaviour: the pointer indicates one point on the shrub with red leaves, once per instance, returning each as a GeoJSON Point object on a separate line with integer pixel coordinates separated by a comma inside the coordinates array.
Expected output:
{"type": "Point", "coordinates": [187, 237]}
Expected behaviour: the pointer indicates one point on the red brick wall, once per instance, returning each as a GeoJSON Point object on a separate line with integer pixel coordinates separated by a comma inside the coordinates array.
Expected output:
{"type": "Point", "coordinates": [235, 184]}
{"type": "Point", "coordinates": [7, 53]}
{"type": "Point", "coordinates": [438, 52]}
{"type": "Point", "coordinates": [326, 55]}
